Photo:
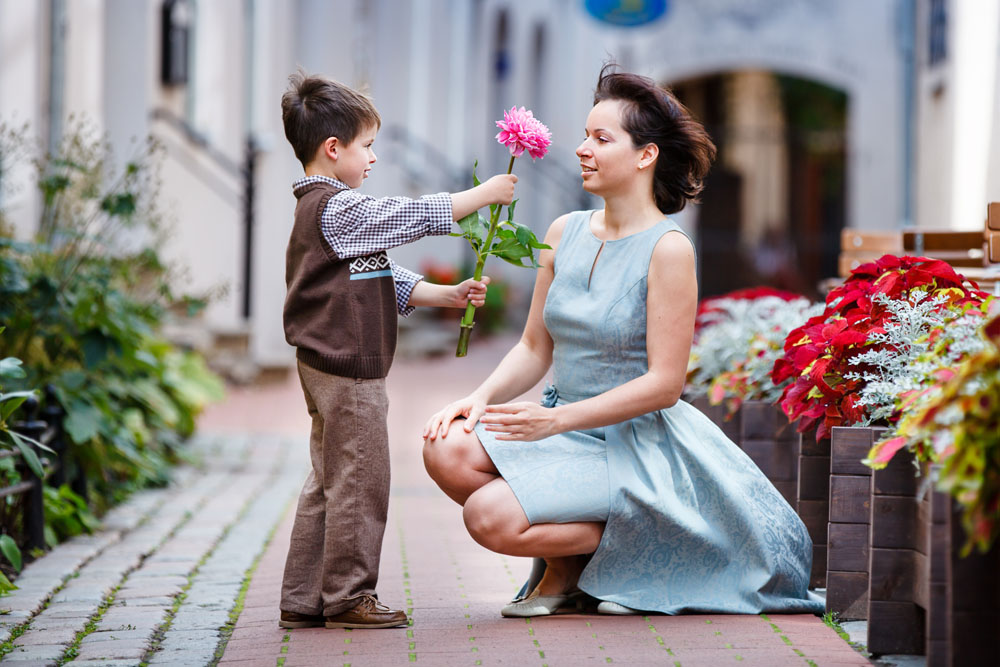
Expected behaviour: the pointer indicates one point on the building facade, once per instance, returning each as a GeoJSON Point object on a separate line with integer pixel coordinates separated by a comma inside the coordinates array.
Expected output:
{"type": "Point", "coordinates": [918, 82]}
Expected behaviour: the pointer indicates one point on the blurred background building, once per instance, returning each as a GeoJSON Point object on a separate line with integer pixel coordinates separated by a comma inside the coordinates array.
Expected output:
{"type": "Point", "coordinates": [868, 114]}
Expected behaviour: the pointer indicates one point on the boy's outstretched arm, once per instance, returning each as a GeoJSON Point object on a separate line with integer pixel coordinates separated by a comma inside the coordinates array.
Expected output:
{"type": "Point", "coordinates": [496, 190]}
{"type": "Point", "coordinates": [450, 296]}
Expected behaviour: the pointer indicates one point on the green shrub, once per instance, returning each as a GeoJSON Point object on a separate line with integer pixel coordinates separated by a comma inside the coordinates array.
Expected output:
{"type": "Point", "coordinates": [83, 304]}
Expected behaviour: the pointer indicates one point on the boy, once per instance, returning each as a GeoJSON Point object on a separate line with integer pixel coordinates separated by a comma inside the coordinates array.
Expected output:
{"type": "Point", "coordinates": [340, 313]}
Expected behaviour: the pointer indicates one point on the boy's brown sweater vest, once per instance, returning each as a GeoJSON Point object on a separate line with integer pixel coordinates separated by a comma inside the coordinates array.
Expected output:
{"type": "Point", "coordinates": [339, 313]}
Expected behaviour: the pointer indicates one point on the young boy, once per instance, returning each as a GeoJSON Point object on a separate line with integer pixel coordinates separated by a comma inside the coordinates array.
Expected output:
{"type": "Point", "coordinates": [340, 313]}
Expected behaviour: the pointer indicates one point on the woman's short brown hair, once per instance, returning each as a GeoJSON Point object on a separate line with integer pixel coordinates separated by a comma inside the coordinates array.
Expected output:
{"type": "Point", "coordinates": [315, 108]}
{"type": "Point", "coordinates": [652, 115]}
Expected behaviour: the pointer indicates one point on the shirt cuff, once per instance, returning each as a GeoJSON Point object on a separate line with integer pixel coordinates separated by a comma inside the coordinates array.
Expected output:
{"type": "Point", "coordinates": [405, 280]}
{"type": "Point", "coordinates": [439, 214]}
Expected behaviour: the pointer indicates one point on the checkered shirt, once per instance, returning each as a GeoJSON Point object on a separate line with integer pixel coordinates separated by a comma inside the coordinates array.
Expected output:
{"type": "Point", "coordinates": [356, 225]}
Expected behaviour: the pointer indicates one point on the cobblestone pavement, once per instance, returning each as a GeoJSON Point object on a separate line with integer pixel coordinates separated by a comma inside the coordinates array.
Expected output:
{"type": "Point", "coordinates": [190, 574]}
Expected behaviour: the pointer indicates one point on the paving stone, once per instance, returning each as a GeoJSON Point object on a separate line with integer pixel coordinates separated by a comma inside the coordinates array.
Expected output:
{"type": "Point", "coordinates": [68, 609]}
{"type": "Point", "coordinates": [46, 652]}
{"type": "Point", "coordinates": [99, 636]}
{"type": "Point", "coordinates": [100, 662]}
{"type": "Point", "coordinates": [46, 621]}
{"type": "Point", "coordinates": [123, 649]}
{"type": "Point", "coordinates": [179, 639]}
{"type": "Point", "coordinates": [199, 620]}
{"type": "Point", "coordinates": [33, 637]}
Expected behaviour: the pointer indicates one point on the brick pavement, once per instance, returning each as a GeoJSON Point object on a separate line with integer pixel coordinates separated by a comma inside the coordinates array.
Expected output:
{"type": "Point", "coordinates": [453, 589]}
{"type": "Point", "coordinates": [161, 584]}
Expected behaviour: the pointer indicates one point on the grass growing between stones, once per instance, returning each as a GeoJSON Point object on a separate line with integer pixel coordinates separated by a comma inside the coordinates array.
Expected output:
{"type": "Point", "coordinates": [74, 648]}
{"type": "Point", "coordinates": [161, 632]}
{"type": "Point", "coordinates": [8, 645]}
{"type": "Point", "coordinates": [830, 619]}
{"type": "Point", "coordinates": [234, 614]}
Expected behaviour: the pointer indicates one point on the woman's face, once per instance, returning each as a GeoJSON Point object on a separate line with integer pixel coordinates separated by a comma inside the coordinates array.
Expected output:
{"type": "Point", "coordinates": [608, 160]}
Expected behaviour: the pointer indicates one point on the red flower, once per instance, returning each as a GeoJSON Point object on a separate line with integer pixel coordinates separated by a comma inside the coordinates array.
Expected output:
{"type": "Point", "coordinates": [818, 353]}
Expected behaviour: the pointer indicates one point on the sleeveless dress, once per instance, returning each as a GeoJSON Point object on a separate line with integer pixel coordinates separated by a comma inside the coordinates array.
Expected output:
{"type": "Point", "coordinates": [692, 525]}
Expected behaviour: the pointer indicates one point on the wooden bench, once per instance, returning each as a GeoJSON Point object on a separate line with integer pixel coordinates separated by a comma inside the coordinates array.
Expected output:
{"type": "Point", "coordinates": [975, 254]}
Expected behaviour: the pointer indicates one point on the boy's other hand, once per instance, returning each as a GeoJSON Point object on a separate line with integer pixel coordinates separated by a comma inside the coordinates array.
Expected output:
{"type": "Point", "coordinates": [501, 188]}
{"type": "Point", "coordinates": [470, 290]}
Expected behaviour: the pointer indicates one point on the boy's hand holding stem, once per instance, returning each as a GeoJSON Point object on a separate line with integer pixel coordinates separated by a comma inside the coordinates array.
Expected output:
{"type": "Point", "coordinates": [470, 293]}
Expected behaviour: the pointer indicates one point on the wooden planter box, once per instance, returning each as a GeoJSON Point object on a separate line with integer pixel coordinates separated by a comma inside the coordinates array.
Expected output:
{"type": "Point", "coordinates": [849, 521]}
{"type": "Point", "coordinates": [772, 442]}
{"type": "Point", "coordinates": [813, 500]}
{"type": "Point", "coordinates": [717, 413]}
{"type": "Point", "coordinates": [963, 616]}
{"type": "Point", "coordinates": [902, 570]}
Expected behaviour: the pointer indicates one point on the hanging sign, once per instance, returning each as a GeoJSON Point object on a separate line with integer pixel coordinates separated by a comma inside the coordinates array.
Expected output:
{"type": "Point", "coordinates": [628, 13]}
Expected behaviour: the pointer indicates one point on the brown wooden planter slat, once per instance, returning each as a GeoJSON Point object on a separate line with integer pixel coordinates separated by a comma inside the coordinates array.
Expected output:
{"type": "Point", "coordinates": [813, 500]}
{"type": "Point", "coordinates": [972, 600]}
{"type": "Point", "coordinates": [849, 519]}
{"type": "Point", "coordinates": [772, 443]}
{"type": "Point", "coordinates": [898, 564]}
{"type": "Point", "coordinates": [938, 551]}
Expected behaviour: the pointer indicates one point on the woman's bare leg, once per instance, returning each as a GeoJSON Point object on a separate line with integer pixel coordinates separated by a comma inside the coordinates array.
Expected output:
{"type": "Point", "coordinates": [457, 463]}
{"type": "Point", "coordinates": [495, 520]}
{"type": "Point", "coordinates": [464, 471]}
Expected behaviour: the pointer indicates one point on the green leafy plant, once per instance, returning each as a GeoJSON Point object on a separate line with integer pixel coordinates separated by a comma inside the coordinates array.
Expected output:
{"type": "Point", "coordinates": [66, 515]}
{"type": "Point", "coordinates": [959, 428]}
{"type": "Point", "coordinates": [83, 305]}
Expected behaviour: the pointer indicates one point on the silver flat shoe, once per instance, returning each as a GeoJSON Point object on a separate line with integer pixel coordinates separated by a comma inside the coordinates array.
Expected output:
{"type": "Point", "coordinates": [534, 605]}
{"type": "Point", "coordinates": [608, 607]}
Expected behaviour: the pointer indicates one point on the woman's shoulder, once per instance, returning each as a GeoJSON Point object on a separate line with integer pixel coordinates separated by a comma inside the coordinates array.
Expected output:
{"type": "Point", "coordinates": [673, 254]}
{"type": "Point", "coordinates": [566, 225]}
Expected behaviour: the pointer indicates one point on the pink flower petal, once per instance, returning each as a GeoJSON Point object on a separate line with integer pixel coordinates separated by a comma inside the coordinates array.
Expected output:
{"type": "Point", "coordinates": [520, 131]}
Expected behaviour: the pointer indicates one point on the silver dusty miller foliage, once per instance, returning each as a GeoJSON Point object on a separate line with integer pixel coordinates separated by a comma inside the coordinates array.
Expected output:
{"type": "Point", "coordinates": [902, 359]}
{"type": "Point", "coordinates": [747, 333]}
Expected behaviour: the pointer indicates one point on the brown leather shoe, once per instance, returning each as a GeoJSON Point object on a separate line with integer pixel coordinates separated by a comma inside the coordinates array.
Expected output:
{"type": "Point", "coordinates": [289, 619]}
{"type": "Point", "coordinates": [369, 613]}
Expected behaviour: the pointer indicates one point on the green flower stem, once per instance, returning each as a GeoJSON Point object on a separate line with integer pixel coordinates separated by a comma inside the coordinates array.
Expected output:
{"type": "Point", "coordinates": [484, 250]}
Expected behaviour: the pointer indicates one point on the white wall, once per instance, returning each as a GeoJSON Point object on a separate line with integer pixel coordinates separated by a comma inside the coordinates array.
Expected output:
{"type": "Point", "coordinates": [23, 67]}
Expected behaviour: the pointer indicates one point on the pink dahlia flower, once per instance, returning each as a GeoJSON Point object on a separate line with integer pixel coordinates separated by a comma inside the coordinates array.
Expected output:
{"type": "Point", "coordinates": [520, 131]}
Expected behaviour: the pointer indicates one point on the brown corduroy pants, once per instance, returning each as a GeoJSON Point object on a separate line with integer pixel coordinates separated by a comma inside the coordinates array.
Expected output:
{"type": "Point", "coordinates": [336, 540]}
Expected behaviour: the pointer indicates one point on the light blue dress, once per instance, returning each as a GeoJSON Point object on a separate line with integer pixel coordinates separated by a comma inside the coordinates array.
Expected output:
{"type": "Point", "coordinates": [692, 523]}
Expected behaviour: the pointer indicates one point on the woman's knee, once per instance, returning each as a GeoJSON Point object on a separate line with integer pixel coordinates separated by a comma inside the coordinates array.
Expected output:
{"type": "Point", "coordinates": [447, 455]}
{"type": "Point", "coordinates": [494, 518]}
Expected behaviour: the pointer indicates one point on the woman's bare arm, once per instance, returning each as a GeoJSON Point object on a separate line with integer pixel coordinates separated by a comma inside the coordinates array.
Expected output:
{"type": "Point", "coordinates": [671, 302]}
{"type": "Point", "coordinates": [525, 364]}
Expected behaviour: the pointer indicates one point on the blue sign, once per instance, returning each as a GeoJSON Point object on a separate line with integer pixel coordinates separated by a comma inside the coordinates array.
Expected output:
{"type": "Point", "coordinates": [629, 13]}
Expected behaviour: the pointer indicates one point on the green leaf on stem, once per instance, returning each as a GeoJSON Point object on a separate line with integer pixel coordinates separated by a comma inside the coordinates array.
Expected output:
{"type": "Point", "coordinates": [475, 179]}
{"type": "Point", "coordinates": [10, 367]}
{"type": "Point", "coordinates": [510, 211]}
{"type": "Point", "coordinates": [511, 250]}
{"type": "Point", "coordinates": [471, 227]}
{"type": "Point", "coordinates": [11, 401]}
{"type": "Point", "coordinates": [28, 452]}
{"type": "Point", "coordinates": [10, 551]}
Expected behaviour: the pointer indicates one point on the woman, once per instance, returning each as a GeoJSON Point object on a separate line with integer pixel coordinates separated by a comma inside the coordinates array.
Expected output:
{"type": "Point", "coordinates": [628, 493]}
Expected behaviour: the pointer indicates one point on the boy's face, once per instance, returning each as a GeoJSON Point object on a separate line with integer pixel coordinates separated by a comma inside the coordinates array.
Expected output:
{"type": "Point", "coordinates": [354, 160]}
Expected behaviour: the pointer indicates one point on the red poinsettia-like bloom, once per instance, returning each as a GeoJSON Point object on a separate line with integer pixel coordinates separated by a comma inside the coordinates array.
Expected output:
{"type": "Point", "coordinates": [818, 354]}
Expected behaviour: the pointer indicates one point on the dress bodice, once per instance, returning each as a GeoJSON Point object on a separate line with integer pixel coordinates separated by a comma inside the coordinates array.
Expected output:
{"type": "Point", "coordinates": [596, 311]}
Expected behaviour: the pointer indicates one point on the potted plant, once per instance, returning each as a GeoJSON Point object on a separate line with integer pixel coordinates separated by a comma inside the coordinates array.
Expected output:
{"type": "Point", "coordinates": [827, 373]}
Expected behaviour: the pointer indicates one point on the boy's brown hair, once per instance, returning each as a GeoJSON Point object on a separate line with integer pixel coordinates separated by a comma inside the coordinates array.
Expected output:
{"type": "Point", "coordinates": [315, 108]}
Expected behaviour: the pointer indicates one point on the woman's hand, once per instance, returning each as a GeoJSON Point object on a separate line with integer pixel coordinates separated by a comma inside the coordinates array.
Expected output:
{"type": "Point", "coordinates": [470, 407]}
{"type": "Point", "coordinates": [521, 421]}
